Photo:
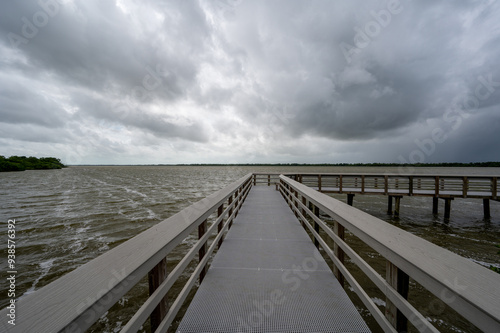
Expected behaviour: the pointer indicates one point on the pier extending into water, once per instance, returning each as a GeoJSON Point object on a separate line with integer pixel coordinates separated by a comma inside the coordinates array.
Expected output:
{"type": "Point", "coordinates": [268, 272]}
{"type": "Point", "coordinates": [395, 186]}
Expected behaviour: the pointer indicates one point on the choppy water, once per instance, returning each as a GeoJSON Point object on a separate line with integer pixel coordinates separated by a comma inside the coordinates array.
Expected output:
{"type": "Point", "coordinates": [64, 218]}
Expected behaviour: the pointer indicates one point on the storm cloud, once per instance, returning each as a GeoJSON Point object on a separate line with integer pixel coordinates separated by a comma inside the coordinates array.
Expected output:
{"type": "Point", "coordinates": [240, 81]}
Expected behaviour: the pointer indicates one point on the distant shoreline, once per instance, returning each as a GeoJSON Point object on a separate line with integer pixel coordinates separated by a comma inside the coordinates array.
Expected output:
{"type": "Point", "coordinates": [423, 165]}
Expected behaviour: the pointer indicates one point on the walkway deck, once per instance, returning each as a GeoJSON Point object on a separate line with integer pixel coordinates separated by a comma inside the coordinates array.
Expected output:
{"type": "Point", "coordinates": [269, 277]}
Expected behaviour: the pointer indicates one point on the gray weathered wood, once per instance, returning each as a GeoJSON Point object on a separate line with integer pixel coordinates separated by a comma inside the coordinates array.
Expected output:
{"type": "Point", "coordinates": [461, 283]}
{"type": "Point", "coordinates": [399, 280]}
{"type": "Point", "coordinates": [417, 319]}
{"type": "Point", "coordinates": [97, 285]}
{"type": "Point", "coordinates": [155, 278]}
{"type": "Point", "coordinates": [140, 316]}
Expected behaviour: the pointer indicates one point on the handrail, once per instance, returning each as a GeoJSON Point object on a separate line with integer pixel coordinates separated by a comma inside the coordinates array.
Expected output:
{"type": "Point", "coordinates": [75, 301]}
{"type": "Point", "coordinates": [465, 186]}
{"type": "Point", "coordinates": [465, 286]}
{"type": "Point", "coordinates": [266, 178]}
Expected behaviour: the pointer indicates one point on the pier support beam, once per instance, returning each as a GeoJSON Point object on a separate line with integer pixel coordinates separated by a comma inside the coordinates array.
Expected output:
{"type": "Point", "coordinates": [155, 277]}
{"type": "Point", "coordinates": [397, 205]}
{"type": "Point", "coordinates": [435, 205]}
{"type": "Point", "coordinates": [350, 198]}
{"type": "Point", "coordinates": [447, 208]}
{"type": "Point", "coordinates": [486, 208]}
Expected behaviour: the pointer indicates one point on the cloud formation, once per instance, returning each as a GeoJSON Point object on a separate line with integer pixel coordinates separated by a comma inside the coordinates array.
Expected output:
{"type": "Point", "coordinates": [230, 81]}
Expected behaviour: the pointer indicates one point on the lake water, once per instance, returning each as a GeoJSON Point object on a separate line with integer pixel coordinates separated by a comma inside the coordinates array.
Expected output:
{"type": "Point", "coordinates": [65, 218]}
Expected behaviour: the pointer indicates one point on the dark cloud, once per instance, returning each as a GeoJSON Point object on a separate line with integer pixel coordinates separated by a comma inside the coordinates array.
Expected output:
{"type": "Point", "coordinates": [243, 80]}
{"type": "Point", "coordinates": [21, 105]}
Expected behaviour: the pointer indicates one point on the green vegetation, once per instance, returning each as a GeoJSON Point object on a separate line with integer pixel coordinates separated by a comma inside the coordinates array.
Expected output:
{"type": "Point", "coordinates": [21, 163]}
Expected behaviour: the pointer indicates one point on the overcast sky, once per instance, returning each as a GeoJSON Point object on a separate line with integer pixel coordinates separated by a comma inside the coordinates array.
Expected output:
{"type": "Point", "coordinates": [245, 81]}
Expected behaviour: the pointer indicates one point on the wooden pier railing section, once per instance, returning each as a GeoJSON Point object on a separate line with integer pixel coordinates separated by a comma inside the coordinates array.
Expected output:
{"type": "Point", "coordinates": [77, 300]}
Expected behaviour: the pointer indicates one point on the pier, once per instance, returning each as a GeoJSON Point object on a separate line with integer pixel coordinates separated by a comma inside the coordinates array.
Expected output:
{"type": "Point", "coordinates": [266, 260]}
{"type": "Point", "coordinates": [396, 186]}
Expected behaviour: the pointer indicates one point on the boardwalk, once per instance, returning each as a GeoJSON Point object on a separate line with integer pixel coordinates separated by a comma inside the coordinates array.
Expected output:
{"type": "Point", "coordinates": [269, 277]}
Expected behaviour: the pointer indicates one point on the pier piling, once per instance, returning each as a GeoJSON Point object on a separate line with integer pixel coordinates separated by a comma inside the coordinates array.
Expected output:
{"type": "Point", "coordinates": [350, 198]}
{"type": "Point", "coordinates": [486, 208]}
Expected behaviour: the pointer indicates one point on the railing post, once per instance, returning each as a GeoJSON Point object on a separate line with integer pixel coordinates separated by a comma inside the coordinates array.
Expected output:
{"type": "Point", "coordinates": [340, 183]}
{"type": "Point", "coordinates": [410, 185]}
{"type": "Point", "coordinates": [316, 226]}
{"type": "Point", "coordinates": [254, 179]}
{"type": "Point", "coordinates": [386, 184]}
{"type": "Point", "coordinates": [230, 211]}
{"type": "Point", "coordinates": [320, 185]}
{"type": "Point", "coordinates": [296, 202]}
{"type": "Point", "coordinates": [494, 188]}
{"type": "Point", "coordinates": [399, 280]}
{"type": "Point", "coordinates": [362, 184]}
{"type": "Point", "coordinates": [155, 277]}
{"type": "Point", "coordinates": [220, 210]}
{"type": "Point", "coordinates": [465, 187]}
{"type": "Point", "coordinates": [436, 185]}
{"type": "Point", "coordinates": [339, 231]}
{"type": "Point", "coordinates": [202, 229]}
{"type": "Point", "coordinates": [304, 202]}
{"type": "Point", "coordinates": [237, 198]}
{"type": "Point", "coordinates": [268, 180]}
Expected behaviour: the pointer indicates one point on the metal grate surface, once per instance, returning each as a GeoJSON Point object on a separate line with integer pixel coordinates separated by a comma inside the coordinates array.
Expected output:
{"type": "Point", "coordinates": [269, 277]}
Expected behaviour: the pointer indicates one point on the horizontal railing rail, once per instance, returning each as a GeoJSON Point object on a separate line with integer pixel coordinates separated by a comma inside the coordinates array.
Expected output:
{"type": "Point", "coordinates": [266, 178]}
{"type": "Point", "coordinates": [74, 302]}
{"type": "Point", "coordinates": [468, 288]}
{"type": "Point", "coordinates": [403, 184]}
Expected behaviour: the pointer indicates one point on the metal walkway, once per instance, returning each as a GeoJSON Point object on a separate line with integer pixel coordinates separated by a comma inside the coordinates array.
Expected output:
{"type": "Point", "coordinates": [269, 277]}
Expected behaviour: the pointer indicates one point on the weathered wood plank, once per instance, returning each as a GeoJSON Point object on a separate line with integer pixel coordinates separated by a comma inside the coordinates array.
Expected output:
{"type": "Point", "coordinates": [461, 283]}
{"type": "Point", "coordinates": [155, 278]}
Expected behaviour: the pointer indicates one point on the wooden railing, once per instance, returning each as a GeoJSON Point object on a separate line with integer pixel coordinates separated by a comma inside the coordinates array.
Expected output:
{"type": "Point", "coordinates": [471, 290]}
{"type": "Point", "coordinates": [486, 187]}
{"type": "Point", "coordinates": [266, 178]}
{"type": "Point", "coordinates": [60, 306]}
